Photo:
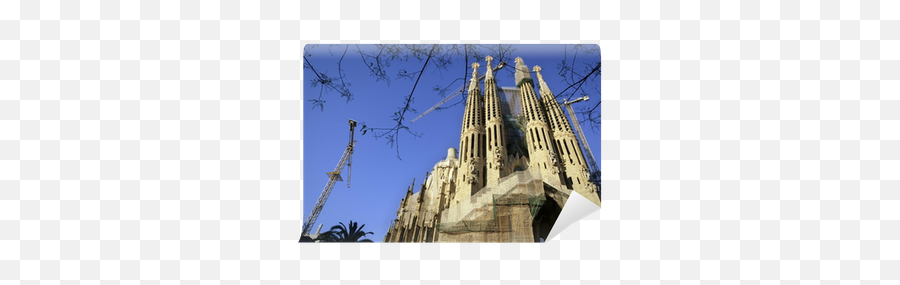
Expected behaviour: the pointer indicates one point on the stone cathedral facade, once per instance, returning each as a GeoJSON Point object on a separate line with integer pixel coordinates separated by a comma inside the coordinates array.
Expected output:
{"type": "Point", "coordinates": [518, 162]}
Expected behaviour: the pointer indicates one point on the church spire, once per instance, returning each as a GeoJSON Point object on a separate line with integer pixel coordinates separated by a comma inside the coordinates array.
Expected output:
{"type": "Point", "coordinates": [537, 71]}
{"type": "Point", "coordinates": [573, 162]}
{"type": "Point", "coordinates": [473, 104]}
{"type": "Point", "coordinates": [490, 72]}
{"type": "Point", "coordinates": [473, 83]}
{"type": "Point", "coordinates": [471, 142]}
{"type": "Point", "coordinates": [555, 115]}
{"type": "Point", "coordinates": [541, 151]}
{"type": "Point", "coordinates": [495, 130]}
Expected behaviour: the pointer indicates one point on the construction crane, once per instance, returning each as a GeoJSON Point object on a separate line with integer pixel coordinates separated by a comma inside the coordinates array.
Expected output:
{"type": "Point", "coordinates": [592, 163]}
{"type": "Point", "coordinates": [458, 91]}
{"type": "Point", "coordinates": [333, 177]}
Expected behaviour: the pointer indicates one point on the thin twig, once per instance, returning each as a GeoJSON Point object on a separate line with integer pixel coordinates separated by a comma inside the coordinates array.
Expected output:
{"type": "Point", "coordinates": [580, 82]}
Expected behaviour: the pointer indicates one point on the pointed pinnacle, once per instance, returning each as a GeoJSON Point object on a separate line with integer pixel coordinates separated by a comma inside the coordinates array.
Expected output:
{"type": "Point", "coordinates": [490, 71]}
{"type": "Point", "coordinates": [537, 71]}
{"type": "Point", "coordinates": [473, 83]}
{"type": "Point", "coordinates": [522, 72]}
{"type": "Point", "coordinates": [543, 84]}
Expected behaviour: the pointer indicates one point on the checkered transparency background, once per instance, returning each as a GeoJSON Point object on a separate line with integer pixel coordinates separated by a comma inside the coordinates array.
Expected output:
{"type": "Point", "coordinates": [161, 141]}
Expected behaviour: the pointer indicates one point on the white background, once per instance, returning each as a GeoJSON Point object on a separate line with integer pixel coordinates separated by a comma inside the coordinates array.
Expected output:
{"type": "Point", "coordinates": [744, 142]}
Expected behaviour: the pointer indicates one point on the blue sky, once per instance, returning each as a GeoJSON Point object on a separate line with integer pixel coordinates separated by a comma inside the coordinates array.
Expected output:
{"type": "Point", "coordinates": [379, 178]}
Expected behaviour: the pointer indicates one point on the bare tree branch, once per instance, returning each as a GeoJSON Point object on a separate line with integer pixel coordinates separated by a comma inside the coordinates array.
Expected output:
{"type": "Point", "coordinates": [393, 134]}
{"type": "Point", "coordinates": [578, 75]}
{"type": "Point", "coordinates": [323, 80]}
{"type": "Point", "coordinates": [581, 82]}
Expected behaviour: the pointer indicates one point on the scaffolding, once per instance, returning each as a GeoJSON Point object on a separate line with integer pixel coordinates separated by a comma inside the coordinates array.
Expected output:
{"type": "Point", "coordinates": [481, 214]}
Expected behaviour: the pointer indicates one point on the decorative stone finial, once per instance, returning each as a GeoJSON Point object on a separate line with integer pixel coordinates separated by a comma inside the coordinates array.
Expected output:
{"type": "Point", "coordinates": [490, 71]}
{"type": "Point", "coordinates": [473, 83]}
{"type": "Point", "coordinates": [537, 71]}
{"type": "Point", "coordinates": [522, 73]}
{"type": "Point", "coordinates": [543, 84]}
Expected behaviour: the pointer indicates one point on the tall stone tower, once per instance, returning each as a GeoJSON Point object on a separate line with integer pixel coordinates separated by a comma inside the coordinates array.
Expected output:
{"type": "Point", "coordinates": [519, 161]}
{"type": "Point", "coordinates": [495, 130]}
{"type": "Point", "coordinates": [575, 168]}
{"type": "Point", "coordinates": [541, 150]}
{"type": "Point", "coordinates": [471, 173]}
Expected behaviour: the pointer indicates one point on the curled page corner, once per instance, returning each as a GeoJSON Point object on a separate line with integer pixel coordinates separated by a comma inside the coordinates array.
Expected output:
{"type": "Point", "coordinates": [577, 207]}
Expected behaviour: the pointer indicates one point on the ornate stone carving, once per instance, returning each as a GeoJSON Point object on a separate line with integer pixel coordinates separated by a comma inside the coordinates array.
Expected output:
{"type": "Point", "coordinates": [498, 158]}
{"type": "Point", "coordinates": [473, 174]}
{"type": "Point", "coordinates": [554, 164]}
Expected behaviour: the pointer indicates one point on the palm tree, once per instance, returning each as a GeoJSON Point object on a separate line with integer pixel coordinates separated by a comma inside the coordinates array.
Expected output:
{"type": "Point", "coordinates": [342, 233]}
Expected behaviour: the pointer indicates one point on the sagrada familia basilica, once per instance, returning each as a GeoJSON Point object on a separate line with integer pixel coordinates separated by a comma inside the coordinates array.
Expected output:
{"type": "Point", "coordinates": [518, 162]}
